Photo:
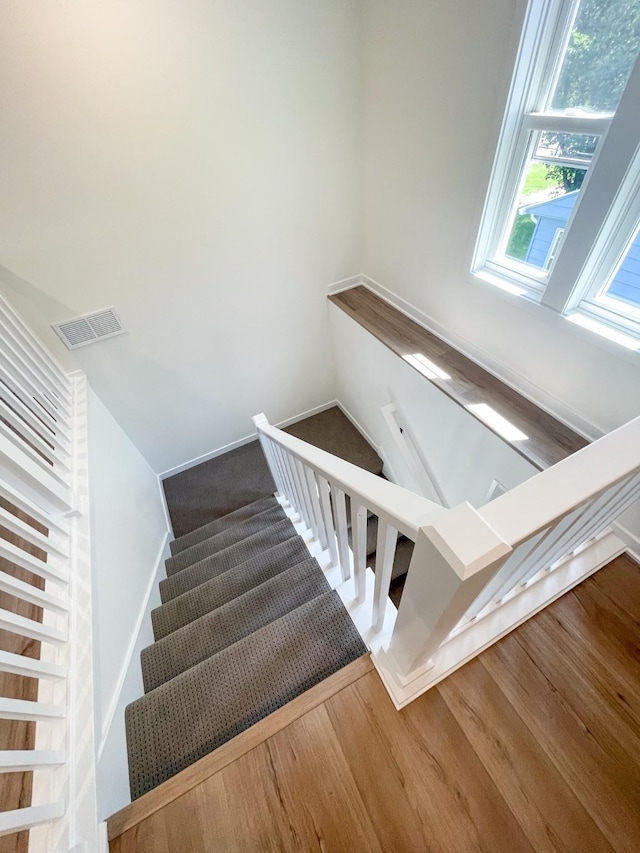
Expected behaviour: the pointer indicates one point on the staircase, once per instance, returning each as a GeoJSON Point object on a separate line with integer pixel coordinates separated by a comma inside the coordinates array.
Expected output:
{"type": "Point", "coordinates": [248, 622]}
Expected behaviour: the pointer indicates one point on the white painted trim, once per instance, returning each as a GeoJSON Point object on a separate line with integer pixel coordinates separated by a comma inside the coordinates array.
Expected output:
{"type": "Point", "coordinates": [113, 705]}
{"type": "Point", "coordinates": [226, 448]}
{"type": "Point", "coordinates": [103, 837]}
{"type": "Point", "coordinates": [630, 538]}
{"type": "Point", "coordinates": [345, 284]}
{"type": "Point", "coordinates": [165, 507]}
{"type": "Point", "coordinates": [467, 644]}
{"type": "Point", "coordinates": [501, 371]}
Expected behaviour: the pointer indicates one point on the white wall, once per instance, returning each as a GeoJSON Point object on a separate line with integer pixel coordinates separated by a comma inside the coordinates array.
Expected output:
{"type": "Point", "coordinates": [435, 81]}
{"type": "Point", "coordinates": [463, 455]}
{"type": "Point", "coordinates": [196, 165]}
{"type": "Point", "coordinates": [129, 532]}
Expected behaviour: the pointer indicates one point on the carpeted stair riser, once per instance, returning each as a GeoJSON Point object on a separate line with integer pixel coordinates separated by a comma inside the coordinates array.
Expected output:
{"type": "Point", "coordinates": [220, 524]}
{"type": "Point", "coordinates": [199, 710]}
{"type": "Point", "coordinates": [214, 593]}
{"type": "Point", "coordinates": [235, 620]}
{"type": "Point", "coordinates": [230, 536]}
{"type": "Point", "coordinates": [276, 544]}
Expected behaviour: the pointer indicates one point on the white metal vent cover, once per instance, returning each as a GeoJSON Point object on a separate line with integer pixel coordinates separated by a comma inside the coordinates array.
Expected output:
{"type": "Point", "coordinates": [89, 328]}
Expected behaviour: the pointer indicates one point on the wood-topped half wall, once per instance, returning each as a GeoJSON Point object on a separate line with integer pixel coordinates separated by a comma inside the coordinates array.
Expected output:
{"type": "Point", "coordinates": [548, 439]}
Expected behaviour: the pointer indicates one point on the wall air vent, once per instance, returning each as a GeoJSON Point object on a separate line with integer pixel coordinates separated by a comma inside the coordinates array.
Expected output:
{"type": "Point", "coordinates": [89, 328]}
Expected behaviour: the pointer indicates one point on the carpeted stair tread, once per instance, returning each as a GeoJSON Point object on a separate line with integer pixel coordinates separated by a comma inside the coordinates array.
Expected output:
{"type": "Point", "coordinates": [401, 560]}
{"type": "Point", "coordinates": [276, 543]}
{"type": "Point", "coordinates": [209, 634]}
{"type": "Point", "coordinates": [199, 710]}
{"type": "Point", "coordinates": [216, 592]}
{"type": "Point", "coordinates": [236, 533]}
{"type": "Point", "coordinates": [220, 524]}
{"type": "Point", "coordinates": [332, 431]}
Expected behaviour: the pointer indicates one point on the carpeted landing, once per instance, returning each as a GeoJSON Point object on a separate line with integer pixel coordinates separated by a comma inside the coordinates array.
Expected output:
{"type": "Point", "coordinates": [248, 622]}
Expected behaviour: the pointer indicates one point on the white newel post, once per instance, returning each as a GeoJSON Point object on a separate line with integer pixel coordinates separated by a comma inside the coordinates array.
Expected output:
{"type": "Point", "coordinates": [452, 562]}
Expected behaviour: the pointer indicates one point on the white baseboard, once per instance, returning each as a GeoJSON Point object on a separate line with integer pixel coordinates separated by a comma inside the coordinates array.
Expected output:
{"type": "Point", "coordinates": [345, 284]}
{"type": "Point", "coordinates": [630, 539]}
{"type": "Point", "coordinates": [226, 448]}
{"type": "Point", "coordinates": [165, 507]}
{"type": "Point", "coordinates": [103, 837]}
{"type": "Point", "coordinates": [107, 720]}
{"type": "Point", "coordinates": [501, 371]}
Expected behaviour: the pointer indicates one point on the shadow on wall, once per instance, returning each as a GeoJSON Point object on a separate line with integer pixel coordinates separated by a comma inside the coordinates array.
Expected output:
{"type": "Point", "coordinates": [39, 310]}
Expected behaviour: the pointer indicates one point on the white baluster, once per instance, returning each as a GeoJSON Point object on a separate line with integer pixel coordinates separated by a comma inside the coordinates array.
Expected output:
{"type": "Point", "coordinates": [385, 552]}
{"type": "Point", "coordinates": [295, 488]}
{"type": "Point", "coordinates": [359, 542]}
{"type": "Point", "coordinates": [267, 449]}
{"type": "Point", "coordinates": [286, 476]}
{"type": "Point", "coordinates": [325, 506]}
{"type": "Point", "coordinates": [340, 511]}
{"type": "Point", "coordinates": [315, 505]}
{"type": "Point", "coordinates": [305, 504]}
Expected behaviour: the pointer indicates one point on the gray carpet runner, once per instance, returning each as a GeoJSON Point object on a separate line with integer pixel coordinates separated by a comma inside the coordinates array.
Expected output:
{"type": "Point", "coordinates": [232, 535]}
{"type": "Point", "coordinates": [202, 708]}
{"type": "Point", "coordinates": [248, 622]}
{"type": "Point", "coordinates": [214, 593]}
{"type": "Point", "coordinates": [220, 524]}
{"type": "Point", "coordinates": [229, 623]}
{"type": "Point", "coordinates": [264, 543]}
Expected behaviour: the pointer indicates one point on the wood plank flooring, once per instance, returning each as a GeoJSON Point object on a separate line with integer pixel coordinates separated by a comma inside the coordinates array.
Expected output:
{"type": "Point", "coordinates": [549, 439]}
{"type": "Point", "coordinates": [533, 746]}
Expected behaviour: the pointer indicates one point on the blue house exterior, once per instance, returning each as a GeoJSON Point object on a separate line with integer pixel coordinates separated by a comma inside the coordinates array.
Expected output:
{"type": "Point", "coordinates": [551, 219]}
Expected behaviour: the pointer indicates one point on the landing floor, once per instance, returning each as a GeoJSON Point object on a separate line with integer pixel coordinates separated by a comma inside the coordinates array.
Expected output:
{"type": "Point", "coordinates": [533, 746]}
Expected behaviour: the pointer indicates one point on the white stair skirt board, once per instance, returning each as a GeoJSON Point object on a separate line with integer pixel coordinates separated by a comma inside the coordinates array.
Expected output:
{"type": "Point", "coordinates": [481, 633]}
{"type": "Point", "coordinates": [630, 538]}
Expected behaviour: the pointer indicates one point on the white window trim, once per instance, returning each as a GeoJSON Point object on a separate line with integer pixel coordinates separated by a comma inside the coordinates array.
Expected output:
{"type": "Point", "coordinates": [608, 253]}
{"type": "Point", "coordinates": [578, 271]}
{"type": "Point", "coordinates": [553, 248]}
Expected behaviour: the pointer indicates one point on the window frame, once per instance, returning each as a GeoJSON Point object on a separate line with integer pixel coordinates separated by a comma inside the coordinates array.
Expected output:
{"type": "Point", "coordinates": [609, 197]}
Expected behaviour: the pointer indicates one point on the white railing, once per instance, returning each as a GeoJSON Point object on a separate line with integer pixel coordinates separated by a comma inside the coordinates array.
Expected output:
{"type": "Point", "coordinates": [45, 587]}
{"type": "Point", "coordinates": [315, 484]}
{"type": "Point", "coordinates": [474, 574]}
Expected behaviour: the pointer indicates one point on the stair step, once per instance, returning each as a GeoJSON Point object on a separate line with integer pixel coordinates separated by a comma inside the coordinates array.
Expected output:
{"type": "Point", "coordinates": [401, 560]}
{"type": "Point", "coordinates": [199, 710]}
{"type": "Point", "coordinates": [216, 592]}
{"type": "Point", "coordinates": [220, 524]}
{"type": "Point", "coordinates": [332, 431]}
{"type": "Point", "coordinates": [277, 544]}
{"type": "Point", "coordinates": [236, 533]}
{"type": "Point", "coordinates": [404, 549]}
{"type": "Point", "coordinates": [235, 620]}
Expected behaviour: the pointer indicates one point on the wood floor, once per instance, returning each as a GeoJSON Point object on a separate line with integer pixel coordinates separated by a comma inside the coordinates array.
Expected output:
{"type": "Point", "coordinates": [533, 746]}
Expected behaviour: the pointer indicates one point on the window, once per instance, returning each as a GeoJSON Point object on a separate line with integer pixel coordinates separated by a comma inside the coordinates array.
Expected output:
{"type": "Point", "coordinates": [561, 223]}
